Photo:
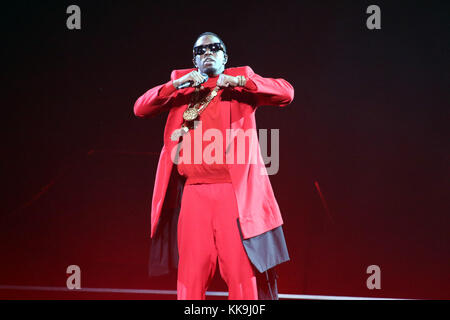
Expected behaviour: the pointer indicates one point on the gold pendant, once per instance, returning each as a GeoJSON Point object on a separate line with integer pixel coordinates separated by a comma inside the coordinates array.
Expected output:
{"type": "Point", "coordinates": [190, 114]}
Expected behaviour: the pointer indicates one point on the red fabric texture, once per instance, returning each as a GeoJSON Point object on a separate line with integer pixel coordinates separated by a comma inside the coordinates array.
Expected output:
{"type": "Point", "coordinates": [207, 233]}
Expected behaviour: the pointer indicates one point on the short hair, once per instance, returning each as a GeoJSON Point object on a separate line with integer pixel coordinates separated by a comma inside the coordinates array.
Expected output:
{"type": "Point", "coordinates": [214, 35]}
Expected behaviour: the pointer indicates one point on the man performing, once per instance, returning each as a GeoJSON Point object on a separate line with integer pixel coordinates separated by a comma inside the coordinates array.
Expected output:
{"type": "Point", "coordinates": [208, 211]}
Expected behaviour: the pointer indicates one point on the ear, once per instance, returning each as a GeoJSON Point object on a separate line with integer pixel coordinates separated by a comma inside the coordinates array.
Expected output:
{"type": "Point", "coordinates": [193, 61]}
{"type": "Point", "coordinates": [225, 58]}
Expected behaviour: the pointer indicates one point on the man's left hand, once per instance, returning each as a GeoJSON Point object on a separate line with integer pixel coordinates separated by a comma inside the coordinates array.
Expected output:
{"type": "Point", "coordinates": [225, 81]}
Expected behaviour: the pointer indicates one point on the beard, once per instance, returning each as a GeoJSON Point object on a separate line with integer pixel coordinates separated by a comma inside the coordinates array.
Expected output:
{"type": "Point", "coordinates": [210, 70]}
{"type": "Point", "coordinates": [213, 70]}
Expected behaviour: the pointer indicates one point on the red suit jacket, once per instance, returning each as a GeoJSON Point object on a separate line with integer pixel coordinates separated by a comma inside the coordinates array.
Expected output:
{"type": "Point", "coordinates": [258, 208]}
{"type": "Point", "coordinates": [259, 215]}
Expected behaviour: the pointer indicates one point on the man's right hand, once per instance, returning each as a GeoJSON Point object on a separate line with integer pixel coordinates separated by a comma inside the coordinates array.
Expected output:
{"type": "Point", "coordinates": [195, 77]}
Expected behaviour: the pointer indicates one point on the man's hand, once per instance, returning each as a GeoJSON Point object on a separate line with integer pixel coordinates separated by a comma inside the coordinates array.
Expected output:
{"type": "Point", "coordinates": [225, 81]}
{"type": "Point", "coordinates": [195, 77]}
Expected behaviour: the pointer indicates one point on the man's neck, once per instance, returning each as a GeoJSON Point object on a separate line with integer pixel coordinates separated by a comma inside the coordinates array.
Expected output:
{"type": "Point", "coordinates": [215, 74]}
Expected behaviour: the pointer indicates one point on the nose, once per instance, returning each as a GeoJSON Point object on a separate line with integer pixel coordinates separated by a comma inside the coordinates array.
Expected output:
{"type": "Point", "coordinates": [208, 51]}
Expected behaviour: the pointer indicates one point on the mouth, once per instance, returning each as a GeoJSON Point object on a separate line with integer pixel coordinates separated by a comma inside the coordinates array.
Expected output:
{"type": "Point", "coordinates": [208, 60]}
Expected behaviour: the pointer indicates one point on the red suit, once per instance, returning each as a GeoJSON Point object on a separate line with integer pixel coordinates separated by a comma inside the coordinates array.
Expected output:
{"type": "Point", "coordinates": [259, 217]}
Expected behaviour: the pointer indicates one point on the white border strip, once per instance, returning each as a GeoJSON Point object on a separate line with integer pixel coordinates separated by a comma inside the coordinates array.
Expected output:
{"type": "Point", "coordinates": [174, 292]}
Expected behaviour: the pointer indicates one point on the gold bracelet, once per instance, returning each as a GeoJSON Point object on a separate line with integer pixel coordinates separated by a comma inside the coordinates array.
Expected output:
{"type": "Point", "coordinates": [241, 81]}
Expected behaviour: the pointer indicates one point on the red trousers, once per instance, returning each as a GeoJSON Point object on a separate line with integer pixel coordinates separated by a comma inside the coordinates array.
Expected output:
{"type": "Point", "coordinates": [207, 232]}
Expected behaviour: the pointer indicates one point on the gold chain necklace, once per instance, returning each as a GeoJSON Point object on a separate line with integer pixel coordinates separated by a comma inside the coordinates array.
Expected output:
{"type": "Point", "coordinates": [193, 112]}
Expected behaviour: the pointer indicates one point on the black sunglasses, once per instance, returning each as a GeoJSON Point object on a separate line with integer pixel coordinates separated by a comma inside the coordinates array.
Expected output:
{"type": "Point", "coordinates": [213, 47]}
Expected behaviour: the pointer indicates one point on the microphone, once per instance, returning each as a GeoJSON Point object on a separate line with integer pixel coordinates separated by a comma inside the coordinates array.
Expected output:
{"type": "Point", "coordinates": [189, 83]}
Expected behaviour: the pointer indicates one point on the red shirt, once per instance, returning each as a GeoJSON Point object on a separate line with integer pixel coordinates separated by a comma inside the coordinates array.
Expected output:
{"type": "Point", "coordinates": [217, 171]}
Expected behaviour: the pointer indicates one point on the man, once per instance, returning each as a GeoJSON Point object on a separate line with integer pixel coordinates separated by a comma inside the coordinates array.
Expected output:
{"type": "Point", "coordinates": [222, 210]}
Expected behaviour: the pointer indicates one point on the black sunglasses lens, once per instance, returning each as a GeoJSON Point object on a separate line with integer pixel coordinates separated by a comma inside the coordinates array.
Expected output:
{"type": "Point", "coordinates": [199, 50]}
{"type": "Point", "coordinates": [214, 47]}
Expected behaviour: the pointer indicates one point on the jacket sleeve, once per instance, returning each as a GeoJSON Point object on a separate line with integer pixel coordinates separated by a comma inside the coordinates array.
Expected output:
{"type": "Point", "coordinates": [268, 91]}
{"type": "Point", "coordinates": [155, 101]}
